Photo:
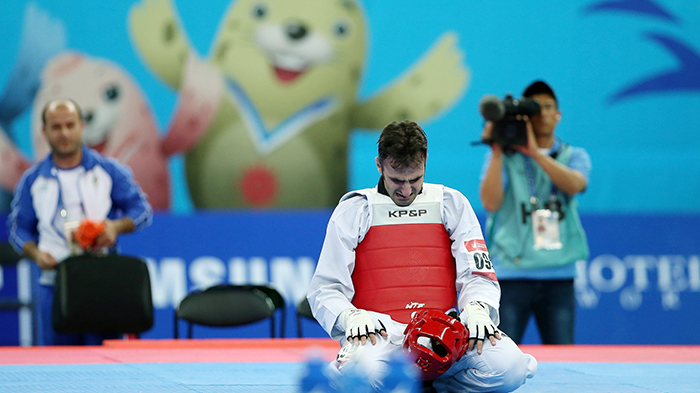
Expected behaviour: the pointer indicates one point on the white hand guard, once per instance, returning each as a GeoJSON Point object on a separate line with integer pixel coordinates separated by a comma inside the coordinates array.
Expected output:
{"type": "Point", "coordinates": [358, 323]}
{"type": "Point", "coordinates": [479, 323]}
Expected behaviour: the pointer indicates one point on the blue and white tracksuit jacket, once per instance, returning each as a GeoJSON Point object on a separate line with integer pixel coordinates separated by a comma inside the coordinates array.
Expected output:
{"type": "Point", "coordinates": [107, 190]}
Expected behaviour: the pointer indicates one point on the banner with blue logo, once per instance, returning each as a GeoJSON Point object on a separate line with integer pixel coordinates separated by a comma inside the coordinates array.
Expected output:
{"type": "Point", "coordinates": [244, 121]}
{"type": "Point", "coordinates": [641, 284]}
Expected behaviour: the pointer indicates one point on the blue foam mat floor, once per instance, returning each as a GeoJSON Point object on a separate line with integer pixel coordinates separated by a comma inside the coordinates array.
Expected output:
{"type": "Point", "coordinates": [283, 378]}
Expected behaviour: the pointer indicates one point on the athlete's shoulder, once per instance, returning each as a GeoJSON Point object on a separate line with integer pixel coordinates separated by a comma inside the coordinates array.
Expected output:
{"type": "Point", "coordinates": [353, 195]}
{"type": "Point", "coordinates": [352, 203]}
{"type": "Point", "coordinates": [452, 193]}
{"type": "Point", "coordinates": [454, 200]}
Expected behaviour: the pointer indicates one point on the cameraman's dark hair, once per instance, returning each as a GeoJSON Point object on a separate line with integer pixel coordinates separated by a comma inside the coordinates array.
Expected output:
{"type": "Point", "coordinates": [539, 87]}
{"type": "Point", "coordinates": [405, 142]}
{"type": "Point", "coordinates": [46, 108]}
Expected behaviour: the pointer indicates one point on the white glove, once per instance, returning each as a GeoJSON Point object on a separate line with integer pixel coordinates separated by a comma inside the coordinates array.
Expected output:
{"type": "Point", "coordinates": [359, 326]}
{"type": "Point", "coordinates": [479, 324]}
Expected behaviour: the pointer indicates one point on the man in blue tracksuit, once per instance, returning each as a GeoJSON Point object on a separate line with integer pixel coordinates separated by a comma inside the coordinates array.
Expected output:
{"type": "Point", "coordinates": [71, 184]}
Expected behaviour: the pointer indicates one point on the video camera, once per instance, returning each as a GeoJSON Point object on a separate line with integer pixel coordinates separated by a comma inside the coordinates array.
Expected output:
{"type": "Point", "coordinates": [507, 115]}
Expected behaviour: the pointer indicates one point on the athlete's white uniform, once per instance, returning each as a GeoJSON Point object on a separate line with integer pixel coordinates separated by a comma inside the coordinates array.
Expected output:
{"type": "Point", "coordinates": [499, 368]}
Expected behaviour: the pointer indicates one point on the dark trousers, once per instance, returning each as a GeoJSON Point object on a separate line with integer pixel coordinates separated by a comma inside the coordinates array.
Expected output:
{"type": "Point", "coordinates": [553, 302]}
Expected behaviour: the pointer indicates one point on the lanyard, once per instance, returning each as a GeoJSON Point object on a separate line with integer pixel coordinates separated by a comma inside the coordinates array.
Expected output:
{"type": "Point", "coordinates": [61, 208]}
{"type": "Point", "coordinates": [531, 184]}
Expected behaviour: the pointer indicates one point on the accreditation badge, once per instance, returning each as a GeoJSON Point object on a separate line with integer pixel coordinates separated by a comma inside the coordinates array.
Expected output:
{"type": "Point", "coordinates": [545, 229]}
{"type": "Point", "coordinates": [69, 228]}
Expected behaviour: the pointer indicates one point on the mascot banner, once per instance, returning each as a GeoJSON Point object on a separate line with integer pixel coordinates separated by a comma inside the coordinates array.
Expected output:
{"type": "Point", "coordinates": [278, 103]}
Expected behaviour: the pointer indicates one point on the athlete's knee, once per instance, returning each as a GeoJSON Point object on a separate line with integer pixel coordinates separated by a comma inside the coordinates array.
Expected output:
{"type": "Point", "coordinates": [513, 374]}
{"type": "Point", "coordinates": [511, 380]}
{"type": "Point", "coordinates": [505, 367]}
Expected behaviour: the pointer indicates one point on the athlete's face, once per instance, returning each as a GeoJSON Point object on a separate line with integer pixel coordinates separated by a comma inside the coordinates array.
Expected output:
{"type": "Point", "coordinates": [402, 185]}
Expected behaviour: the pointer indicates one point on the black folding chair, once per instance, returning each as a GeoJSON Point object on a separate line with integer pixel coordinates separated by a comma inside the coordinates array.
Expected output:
{"type": "Point", "coordinates": [278, 302]}
{"type": "Point", "coordinates": [226, 305]}
{"type": "Point", "coordinates": [107, 294]}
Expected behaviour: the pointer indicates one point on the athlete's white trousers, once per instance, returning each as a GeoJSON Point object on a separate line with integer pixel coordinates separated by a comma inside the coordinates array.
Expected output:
{"type": "Point", "coordinates": [500, 368]}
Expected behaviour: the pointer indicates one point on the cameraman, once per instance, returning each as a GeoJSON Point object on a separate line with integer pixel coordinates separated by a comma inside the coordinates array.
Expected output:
{"type": "Point", "coordinates": [535, 263]}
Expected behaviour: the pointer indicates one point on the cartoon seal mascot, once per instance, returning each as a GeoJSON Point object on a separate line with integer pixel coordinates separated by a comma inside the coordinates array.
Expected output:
{"type": "Point", "coordinates": [290, 70]}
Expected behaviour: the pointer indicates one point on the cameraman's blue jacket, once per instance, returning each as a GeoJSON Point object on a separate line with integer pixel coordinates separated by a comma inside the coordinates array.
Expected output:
{"type": "Point", "coordinates": [107, 190]}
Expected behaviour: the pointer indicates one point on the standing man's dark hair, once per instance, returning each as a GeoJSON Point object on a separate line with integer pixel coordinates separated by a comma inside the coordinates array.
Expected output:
{"type": "Point", "coordinates": [539, 87]}
{"type": "Point", "coordinates": [405, 142]}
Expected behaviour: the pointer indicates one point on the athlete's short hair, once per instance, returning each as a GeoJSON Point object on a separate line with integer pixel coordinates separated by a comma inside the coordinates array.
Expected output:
{"type": "Point", "coordinates": [404, 142]}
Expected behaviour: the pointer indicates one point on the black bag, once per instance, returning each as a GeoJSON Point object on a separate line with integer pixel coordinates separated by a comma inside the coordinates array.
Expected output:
{"type": "Point", "coordinates": [107, 294]}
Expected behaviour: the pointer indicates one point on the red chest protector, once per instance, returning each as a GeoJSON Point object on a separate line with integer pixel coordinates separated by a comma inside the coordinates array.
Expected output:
{"type": "Point", "coordinates": [405, 262]}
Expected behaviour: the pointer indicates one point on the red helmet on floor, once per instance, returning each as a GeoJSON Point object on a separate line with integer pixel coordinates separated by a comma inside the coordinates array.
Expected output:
{"type": "Point", "coordinates": [436, 340]}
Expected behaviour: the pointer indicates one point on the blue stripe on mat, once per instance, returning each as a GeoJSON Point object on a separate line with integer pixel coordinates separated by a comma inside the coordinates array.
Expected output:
{"type": "Point", "coordinates": [283, 378]}
{"type": "Point", "coordinates": [614, 378]}
{"type": "Point", "coordinates": [152, 377]}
